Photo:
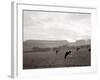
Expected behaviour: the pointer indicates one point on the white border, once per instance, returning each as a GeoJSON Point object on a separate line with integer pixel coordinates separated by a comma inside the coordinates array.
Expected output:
{"type": "Point", "coordinates": [17, 63]}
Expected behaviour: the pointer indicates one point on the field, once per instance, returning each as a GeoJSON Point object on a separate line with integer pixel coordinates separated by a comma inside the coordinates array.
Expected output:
{"type": "Point", "coordinates": [50, 58]}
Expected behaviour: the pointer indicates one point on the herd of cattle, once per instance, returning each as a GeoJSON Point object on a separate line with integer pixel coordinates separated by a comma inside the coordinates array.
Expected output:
{"type": "Point", "coordinates": [69, 52]}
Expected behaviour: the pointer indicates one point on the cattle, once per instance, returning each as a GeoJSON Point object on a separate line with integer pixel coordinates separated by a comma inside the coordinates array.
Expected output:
{"type": "Point", "coordinates": [57, 51]}
{"type": "Point", "coordinates": [77, 49]}
{"type": "Point", "coordinates": [89, 49]}
{"type": "Point", "coordinates": [66, 54]}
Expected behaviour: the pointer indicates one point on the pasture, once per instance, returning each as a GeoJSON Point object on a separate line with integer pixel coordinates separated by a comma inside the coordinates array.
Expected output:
{"type": "Point", "coordinates": [51, 58]}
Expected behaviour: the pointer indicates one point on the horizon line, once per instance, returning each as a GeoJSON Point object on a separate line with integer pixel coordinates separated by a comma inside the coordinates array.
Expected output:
{"type": "Point", "coordinates": [58, 40]}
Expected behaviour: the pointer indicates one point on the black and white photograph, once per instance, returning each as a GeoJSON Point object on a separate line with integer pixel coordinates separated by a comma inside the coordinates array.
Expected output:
{"type": "Point", "coordinates": [54, 39]}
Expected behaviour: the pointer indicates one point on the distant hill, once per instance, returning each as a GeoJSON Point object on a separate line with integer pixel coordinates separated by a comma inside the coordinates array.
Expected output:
{"type": "Point", "coordinates": [80, 42]}
{"type": "Point", "coordinates": [29, 44]}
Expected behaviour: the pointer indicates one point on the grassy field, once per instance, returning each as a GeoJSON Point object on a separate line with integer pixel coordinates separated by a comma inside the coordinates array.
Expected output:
{"type": "Point", "coordinates": [50, 59]}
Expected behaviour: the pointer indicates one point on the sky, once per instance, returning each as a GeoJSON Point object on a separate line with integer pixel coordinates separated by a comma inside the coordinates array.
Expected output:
{"type": "Point", "coordinates": [42, 25]}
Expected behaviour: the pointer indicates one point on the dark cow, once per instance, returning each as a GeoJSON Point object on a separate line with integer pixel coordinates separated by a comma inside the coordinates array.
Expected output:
{"type": "Point", "coordinates": [77, 49]}
{"type": "Point", "coordinates": [89, 49]}
{"type": "Point", "coordinates": [66, 54]}
{"type": "Point", "coordinates": [57, 51]}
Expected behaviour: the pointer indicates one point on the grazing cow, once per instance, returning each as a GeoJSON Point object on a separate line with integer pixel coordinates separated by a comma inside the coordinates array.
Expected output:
{"type": "Point", "coordinates": [57, 51]}
{"type": "Point", "coordinates": [77, 49]}
{"type": "Point", "coordinates": [67, 53]}
{"type": "Point", "coordinates": [89, 49]}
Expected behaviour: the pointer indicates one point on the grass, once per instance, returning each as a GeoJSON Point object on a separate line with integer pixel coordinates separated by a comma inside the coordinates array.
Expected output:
{"type": "Point", "coordinates": [49, 59]}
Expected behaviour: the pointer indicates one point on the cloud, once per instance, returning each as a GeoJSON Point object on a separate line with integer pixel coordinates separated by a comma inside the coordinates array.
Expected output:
{"type": "Point", "coordinates": [56, 26]}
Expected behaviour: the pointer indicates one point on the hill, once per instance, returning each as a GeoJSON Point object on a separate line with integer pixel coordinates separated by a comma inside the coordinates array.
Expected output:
{"type": "Point", "coordinates": [29, 44]}
{"type": "Point", "coordinates": [40, 44]}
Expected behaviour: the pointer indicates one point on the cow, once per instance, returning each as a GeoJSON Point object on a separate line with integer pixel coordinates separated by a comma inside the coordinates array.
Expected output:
{"type": "Point", "coordinates": [57, 51]}
{"type": "Point", "coordinates": [77, 49]}
{"type": "Point", "coordinates": [89, 49]}
{"type": "Point", "coordinates": [67, 53]}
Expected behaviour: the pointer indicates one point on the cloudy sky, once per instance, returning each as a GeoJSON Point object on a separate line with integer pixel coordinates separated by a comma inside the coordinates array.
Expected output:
{"type": "Point", "coordinates": [39, 25]}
